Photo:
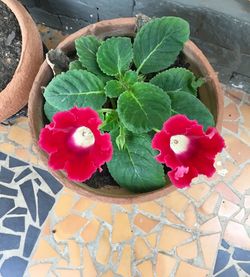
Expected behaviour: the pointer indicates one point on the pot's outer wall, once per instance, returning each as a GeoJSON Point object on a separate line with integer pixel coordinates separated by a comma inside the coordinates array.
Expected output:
{"type": "Point", "coordinates": [118, 27]}
{"type": "Point", "coordinates": [16, 93]}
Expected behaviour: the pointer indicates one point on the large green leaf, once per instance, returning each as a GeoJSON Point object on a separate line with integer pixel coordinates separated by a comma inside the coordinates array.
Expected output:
{"type": "Point", "coordinates": [76, 65]}
{"type": "Point", "coordinates": [177, 79]}
{"type": "Point", "coordinates": [186, 103]}
{"type": "Point", "coordinates": [159, 42]}
{"type": "Point", "coordinates": [115, 55]}
{"type": "Point", "coordinates": [135, 167]}
{"type": "Point", "coordinates": [114, 88]}
{"type": "Point", "coordinates": [86, 49]}
{"type": "Point", "coordinates": [143, 108]}
{"type": "Point", "coordinates": [110, 122]}
{"type": "Point", "coordinates": [75, 88]}
{"type": "Point", "coordinates": [49, 111]}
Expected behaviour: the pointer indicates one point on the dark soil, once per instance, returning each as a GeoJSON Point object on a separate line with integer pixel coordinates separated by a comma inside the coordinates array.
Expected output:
{"type": "Point", "coordinates": [10, 45]}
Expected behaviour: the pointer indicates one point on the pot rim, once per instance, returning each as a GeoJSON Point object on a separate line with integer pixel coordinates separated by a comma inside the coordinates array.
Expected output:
{"type": "Point", "coordinates": [31, 56]}
{"type": "Point", "coordinates": [96, 194]}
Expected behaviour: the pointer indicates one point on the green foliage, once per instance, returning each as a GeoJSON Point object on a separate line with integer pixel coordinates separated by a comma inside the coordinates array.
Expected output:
{"type": "Point", "coordinates": [115, 55]}
{"type": "Point", "coordinates": [177, 79]}
{"type": "Point", "coordinates": [135, 167]}
{"type": "Point", "coordinates": [112, 77]}
{"type": "Point", "coordinates": [159, 42]}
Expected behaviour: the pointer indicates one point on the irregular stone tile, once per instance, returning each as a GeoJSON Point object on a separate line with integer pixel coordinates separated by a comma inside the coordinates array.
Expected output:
{"type": "Point", "coordinates": [108, 274]}
{"type": "Point", "coordinates": [164, 265]}
{"type": "Point", "coordinates": [221, 260]}
{"type": "Point", "coordinates": [227, 193]}
{"type": "Point", "coordinates": [6, 175]}
{"type": "Point", "coordinates": [62, 263]}
{"type": "Point", "coordinates": [46, 228]}
{"type": "Point", "coordinates": [90, 232]}
{"type": "Point", "coordinates": [74, 253]}
{"type": "Point", "coordinates": [227, 208]}
{"type": "Point", "coordinates": [63, 205]}
{"type": "Point", "coordinates": [23, 174]}
{"type": "Point", "coordinates": [172, 217]}
{"type": "Point", "coordinates": [232, 169]}
{"type": "Point", "coordinates": [146, 268]}
{"type": "Point", "coordinates": [190, 216]}
{"type": "Point", "coordinates": [3, 156]}
{"type": "Point", "coordinates": [104, 249]}
{"type": "Point", "coordinates": [30, 240]}
{"type": "Point", "coordinates": [121, 228]}
{"type": "Point", "coordinates": [224, 244]}
{"type": "Point", "coordinates": [29, 197]}
{"type": "Point", "coordinates": [83, 204]}
{"type": "Point", "coordinates": [241, 183]}
{"type": "Point", "coordinates": [144, 223]}
{"type": "Point", "coordinates": [89, 268]}
{"type": "Point", "coordinates": [22, 154]}
{"type": "Point", "coordinates": [244, 135]}
{"type": "Point", "coordinates": [44, 251]}
{"type": "Point", "coordinates": [15, 224]}
{"type": "Point", "coordinates": [38, 181]}
{"type": "Point", "coordinates": [6, 205]}
{"type": "Point", "coordinates": [237, 149]}
{"type": "Point", "coordinates": [52, 182]}
{"type": "Point", "coordinates": [9, 241]}
{"type": "Point", "coordinates": [39, 270]}
{"type": "Point", "coordinates": [236, 234]}
{"type": "Point", "coordinates": [124, 267]}
{"type": "Point", "coordinates": [246, 115]}
{"type": "Point", "coordinates": [186, 269]}
{"type": "Point", "coordinates": [20, 136]}
{"type": "Point", "coordinates": [152, 238]}
{"type": "Point", "coordinates": [231, 112]}
{"type": "Point", "coordinates": [247, 201]}
{"type": "Point", "coordinates": [45, 203]}
{"type": "Point", "coordinates": [209, 245]}
{"type": "Point", "coordinates": [231, 271]}
{"type": "Point", "coordinates": [241, 254]}
{"type": "Point", "coordinates": [8, 148]}
{"type": "Point", "coordinates": [68, 272]}
{"type": "Point", "coordinates": [19, 210]}
{"type": "Point", "coordinates": [187, 251]}
{"type": "Point", "coordinates": [233, 126]}
{"type": "Point", "coordinates": [103, 211]}
{"type": "Point", "coordinates": [68, 227]}
{"type": "Point", "coordinates": [141, 249]}
{"type": "Point", "coordinates": [245, 267]}
{"type": "Point", "coordinates": [150, 207]}
{"type": "Point", "coordinates": [211, 226]}
{"type": "Point", "coordinates": [176, 201]}
{"type": "Point", "coordinates": [13, 162]}
{"type": "Point", "coordinates": [210, 204]}
{"type": "Point", "coordinates": [172, 237]}
{"type": "Point", "coordinates": [198, 191]}
{"type": "Point", "coordinates": [14, 267]}
{"type": "Point", "coordinates": [8, 191]}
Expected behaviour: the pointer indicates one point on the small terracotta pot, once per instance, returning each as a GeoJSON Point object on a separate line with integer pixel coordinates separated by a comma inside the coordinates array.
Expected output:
{"type": "Point", "coordinates": [15, 95]}
{"type": "Point", "coordinates": [210, 94]}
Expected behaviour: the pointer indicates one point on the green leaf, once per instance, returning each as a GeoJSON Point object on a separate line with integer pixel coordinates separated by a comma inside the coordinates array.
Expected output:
{"type": "Point", "coordinates": [111, 121]}
{"type": "Point", "coordinates": [177, 79]}
{"type": "Point", "coordinates": [75, 88]}
{"type": "Point", "coordinates": [135, 167]}
{"type": "Point", "coordinates": [130, 77]}
{"type": "Point", "coordinates": [86, 49]}
{"type": "Point", "coordinates": [143, 108]}
{"type": "Point", "coordinates": [186, 103]}
{"type": "Point", "coordinates": [49, 111]}
{"type": "Point", "coordinates": [75, 65]}
{"type": "Point", "coordinates": [115, 55]}
{"type": "Point", "coordinates": [114, 88]}
{"type": "Point", "coordinates": [159, 42]}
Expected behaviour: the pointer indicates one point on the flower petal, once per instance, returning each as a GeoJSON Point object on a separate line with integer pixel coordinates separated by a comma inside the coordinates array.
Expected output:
{"type": "Point", "coordinates": [182, 176]}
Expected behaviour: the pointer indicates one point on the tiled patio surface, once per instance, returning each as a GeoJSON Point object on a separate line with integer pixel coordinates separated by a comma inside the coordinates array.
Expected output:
{"type": "Point", "coordinates": [200, 231]}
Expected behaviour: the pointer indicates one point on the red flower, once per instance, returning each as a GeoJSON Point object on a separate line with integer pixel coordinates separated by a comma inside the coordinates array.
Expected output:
{"type": "Point", "coordinates": [187, 149]}
{"type": "Point", "coordinates": [75, 144]}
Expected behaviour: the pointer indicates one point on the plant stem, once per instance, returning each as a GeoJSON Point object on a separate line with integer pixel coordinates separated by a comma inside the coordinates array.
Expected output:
{"type": "Point", "coordinates": [156, 130]}
{"type": "Point", "coordinates": [105, 110]}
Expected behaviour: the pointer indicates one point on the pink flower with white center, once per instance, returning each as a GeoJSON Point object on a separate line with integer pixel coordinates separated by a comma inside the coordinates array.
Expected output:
{"type": "Point", "coordinates": [187, 149]}
{"type": "Point", "coordinates": [75, 144]}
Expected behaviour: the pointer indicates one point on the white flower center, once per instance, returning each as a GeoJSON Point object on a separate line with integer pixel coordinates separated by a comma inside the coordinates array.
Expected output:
{"type": "Point", "coordinates": [83, 137]}
{"type": "Point", "coordinates": [179, 143]}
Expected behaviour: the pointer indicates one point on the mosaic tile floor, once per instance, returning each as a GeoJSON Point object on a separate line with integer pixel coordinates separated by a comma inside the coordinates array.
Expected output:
{"type": "Point", "coordinates": [200, 231]}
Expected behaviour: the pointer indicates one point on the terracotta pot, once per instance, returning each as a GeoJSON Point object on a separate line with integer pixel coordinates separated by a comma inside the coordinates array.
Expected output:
{"type": "Point", "coordinates": [210, 94]}
{"type": "Point", "coordinates": [15, 95]}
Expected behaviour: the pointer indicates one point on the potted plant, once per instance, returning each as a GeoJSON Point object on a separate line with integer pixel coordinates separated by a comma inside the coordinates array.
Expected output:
{"type": "Point", "coordinates": [128, 100]}
{"type": "Point", "coordinates": [14, 95]}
